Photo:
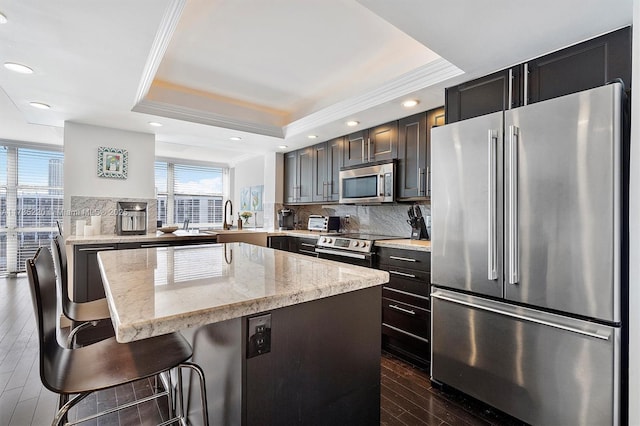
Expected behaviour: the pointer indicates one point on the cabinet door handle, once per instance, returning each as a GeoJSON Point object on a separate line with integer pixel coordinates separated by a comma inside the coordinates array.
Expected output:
{"type": "Point", "coordinates": [428, 185]}
{"type": "Point", "coordinates": [308, 245]}
{"type": "Point", "coordinates": [420, 174]}
{"type": "Point", "coordinates": [368, 149]}
{"type": "Point", "coordinates": [526, 83]}
{"type": "Point", "coordinates": [153, 245]}
{"type": "Point", "coordinates": [404, 274]}
{"type": "Point", "coordinates": [406, 311]}
{"type": "Point", "coordinates": [97, 248]}
{"type": "Point", "coordinates": [405, 259]}
{"type": "Point", "coordinates": [313, 253]}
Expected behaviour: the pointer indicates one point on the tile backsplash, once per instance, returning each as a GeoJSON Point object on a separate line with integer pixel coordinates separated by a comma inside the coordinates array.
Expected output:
{"type": "Point", "coordinates": [386, 219]}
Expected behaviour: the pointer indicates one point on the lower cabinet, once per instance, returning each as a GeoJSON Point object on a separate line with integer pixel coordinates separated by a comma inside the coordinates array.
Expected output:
{"type": "Point", "coordinates": [406, 307]}
{"type": "Point", "coordinates": [279, 242]}
{"type": "Point", "coordinates": [304, 246]}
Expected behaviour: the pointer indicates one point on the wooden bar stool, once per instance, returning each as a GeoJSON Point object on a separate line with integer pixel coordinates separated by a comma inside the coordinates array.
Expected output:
{"type": "Point", "coordinates": [85, 313]}
{"type": "Point", "coordinates": [104, 364]}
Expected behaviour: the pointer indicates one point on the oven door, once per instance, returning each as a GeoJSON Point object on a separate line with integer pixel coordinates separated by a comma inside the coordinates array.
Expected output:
{"type": "Point", "coordinates": [359, 259]}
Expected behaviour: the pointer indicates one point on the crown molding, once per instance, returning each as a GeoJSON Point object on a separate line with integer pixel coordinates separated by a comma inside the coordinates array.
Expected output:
{"type": "Point", "coordinates": [198, 116]}
{"type": "Point", "coordinates": [159, 47]}
{"type": "Point", "coordinates": [422, 77]}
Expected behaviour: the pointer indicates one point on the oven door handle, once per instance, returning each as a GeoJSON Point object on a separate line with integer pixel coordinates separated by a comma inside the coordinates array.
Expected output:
{"type": "Point", "coordinates": [342, 253]}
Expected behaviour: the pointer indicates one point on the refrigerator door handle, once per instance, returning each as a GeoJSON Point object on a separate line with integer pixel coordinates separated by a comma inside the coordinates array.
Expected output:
{"type": "Point", "coordinates": [596, 335]}
{"type": "Point", "coordinates": [492, 261]}
{"type": "Point", "coordinates": [512, 204]}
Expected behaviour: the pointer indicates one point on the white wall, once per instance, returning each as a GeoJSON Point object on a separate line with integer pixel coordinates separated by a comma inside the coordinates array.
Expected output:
{"type": "Point", "coordinates": [634, 231]}
{"type": "Point", "coordinates": [81, 143]}
{"type": "Point", "coordinates": [245, 175]}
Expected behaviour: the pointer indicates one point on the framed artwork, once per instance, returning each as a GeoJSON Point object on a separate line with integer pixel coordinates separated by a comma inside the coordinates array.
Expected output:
{"type": "Point", "coordinates": [112, 162]}
{"type": "Point", "coordinates": [245, 199]}
{"type": "Point", "coordinates": [256, 198]}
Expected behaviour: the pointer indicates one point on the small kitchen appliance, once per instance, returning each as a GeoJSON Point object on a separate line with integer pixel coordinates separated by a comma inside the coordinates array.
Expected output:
{"type": "Point", "coordinates": [323, 223]}
{"type": "Point", "coordinates": [131, 218]}
{"type": "Point", "coordinates": [286, 219]}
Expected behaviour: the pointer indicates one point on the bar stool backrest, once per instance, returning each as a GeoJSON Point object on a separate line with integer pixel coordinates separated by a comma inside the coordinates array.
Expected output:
{"type": "Point", "coordinates": [42, 283]}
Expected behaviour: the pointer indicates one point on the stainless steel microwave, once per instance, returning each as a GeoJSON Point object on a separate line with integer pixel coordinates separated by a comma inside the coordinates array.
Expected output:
{"type": "Point", "coordinates": [372, 183]}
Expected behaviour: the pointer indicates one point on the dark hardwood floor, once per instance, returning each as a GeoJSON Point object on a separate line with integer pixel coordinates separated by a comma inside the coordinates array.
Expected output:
{"type": "Point", "coordinates": [407, 396]}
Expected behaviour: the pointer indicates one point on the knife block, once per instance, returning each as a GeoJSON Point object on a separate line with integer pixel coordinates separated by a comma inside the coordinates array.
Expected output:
{"type": "Point", "coordinates": [419, 232]}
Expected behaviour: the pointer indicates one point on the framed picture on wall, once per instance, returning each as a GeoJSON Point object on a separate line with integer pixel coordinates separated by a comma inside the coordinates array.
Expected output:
{"type": "Point", "coordinates": [112, 162]}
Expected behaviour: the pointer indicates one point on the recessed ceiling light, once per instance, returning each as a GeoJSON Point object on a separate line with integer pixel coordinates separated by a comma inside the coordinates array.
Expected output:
{"type": "Point", "coordinates": [155, 124]}
{"type": "Point", "coordinates": [39, 105]}
{"type": "Point", "coordinates": [312, 136]}
{"type": "Point", "coordinates": [235, 138]}
{"type": "Point", "coordinates": [22, 69]}
{"type": "Point", "coordinates": [3, 19]}
{"type": "Point", "coordinates": [352, 123]}
{"type": "Point", "coordinates": [410, 103]}
{"type": "Point", "coordinates": [283, 147]}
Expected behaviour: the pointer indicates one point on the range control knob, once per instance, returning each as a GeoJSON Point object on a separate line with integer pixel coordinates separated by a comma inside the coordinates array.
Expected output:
{"type": "Point", "coordinates": [356, 244]}
{"type": "Point", "coordinates": [364, 244]}
{"type": "Point", "coordinates": [324, 240]}
{"type": "Point", "coordinates": [329, 240]}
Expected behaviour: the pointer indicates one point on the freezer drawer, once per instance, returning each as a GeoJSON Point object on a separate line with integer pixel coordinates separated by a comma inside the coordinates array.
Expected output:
{"type": "Point", "coordinates": [541, 368]}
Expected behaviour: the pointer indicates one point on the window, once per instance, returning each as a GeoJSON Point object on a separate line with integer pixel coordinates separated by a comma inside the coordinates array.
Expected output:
{"type": "Point", "coordinates": [31, 201]}
{"type": "Point", "coordinates": [188, 192]}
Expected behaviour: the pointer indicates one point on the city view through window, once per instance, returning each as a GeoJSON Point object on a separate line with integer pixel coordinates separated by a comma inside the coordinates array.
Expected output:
{"type": "Point", "coordinates": [31, 200]}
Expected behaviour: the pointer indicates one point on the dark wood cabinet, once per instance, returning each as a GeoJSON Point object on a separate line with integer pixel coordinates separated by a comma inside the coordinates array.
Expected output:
{"type": "Point", "coordinates": [298, 176]}
{"type": "Point", "coordinates": [304, 246]}
{"type": "Point", "coordinates": [414, 159]}
{"type": "Point", "coordinates": [579, 67]}
{"type": "Point", "coordinates": [491, 93]}
{"type": "Point", "coordinates": [375, 144]}
{"type": "Point", "coordinates": [406, 307]}
{"type": "Point", "coordinates": [279, 242]}
{"type": "Point", "coordinates": [327, 160]}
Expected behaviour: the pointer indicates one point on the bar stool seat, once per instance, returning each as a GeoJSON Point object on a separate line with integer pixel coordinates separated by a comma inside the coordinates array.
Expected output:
{"type": "Point", "coordinates": [85, 313]}
{"type": "Point", "coordinates": [103, 364]}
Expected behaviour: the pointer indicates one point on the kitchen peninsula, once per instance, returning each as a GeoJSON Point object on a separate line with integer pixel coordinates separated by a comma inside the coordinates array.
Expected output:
{"type": "Point", "coordinates": [283, 338]}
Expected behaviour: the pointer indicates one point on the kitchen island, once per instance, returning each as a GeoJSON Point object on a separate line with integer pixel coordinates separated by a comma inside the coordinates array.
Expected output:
{"type": "Point", "coordinates": [283, 338]}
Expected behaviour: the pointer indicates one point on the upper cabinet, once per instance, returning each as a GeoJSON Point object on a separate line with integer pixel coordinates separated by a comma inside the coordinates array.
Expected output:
{"type": "Point", "coordinates": [580, 67]}
{"type": "Point", "coordinates": [327, 160]}
{"type": "Point", "coordinates": [414, 147]}
{"type": "Point", "coordinates": [298, 176]}
{"type": "Point", "coordinates": [375, 144]}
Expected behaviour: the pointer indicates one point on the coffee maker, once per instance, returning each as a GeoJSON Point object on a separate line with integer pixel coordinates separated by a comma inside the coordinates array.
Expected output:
{"type": "Point", "coordinates": [286, 219]}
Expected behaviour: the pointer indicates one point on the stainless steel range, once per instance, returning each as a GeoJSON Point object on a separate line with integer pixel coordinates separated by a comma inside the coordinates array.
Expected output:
{"type": "Point", "coordinates": [356, 249]}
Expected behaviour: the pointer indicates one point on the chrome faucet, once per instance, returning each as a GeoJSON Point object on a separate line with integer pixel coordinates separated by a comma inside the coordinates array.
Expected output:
{"type": "Point", "coordinates": [226, 225]}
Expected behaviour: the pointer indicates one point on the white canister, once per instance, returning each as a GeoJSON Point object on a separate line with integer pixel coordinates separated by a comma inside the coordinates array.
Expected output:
{"type": "Point", "coordinates": [88, 230]}
{"type": "Point", "coordinates": [80, 227]}
{"type": "Point", "coordinates": [96, 222]}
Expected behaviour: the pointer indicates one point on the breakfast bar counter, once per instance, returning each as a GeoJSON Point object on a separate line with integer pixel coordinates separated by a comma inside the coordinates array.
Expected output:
{"type": "Point", "coordinates": [283, 338]}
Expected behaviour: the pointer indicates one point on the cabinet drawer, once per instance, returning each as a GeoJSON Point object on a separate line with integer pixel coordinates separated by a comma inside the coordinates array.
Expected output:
{"type": "Point", "coordinates": [405, 274]}
{"type": "Point", "coordinates": [408, 318]}
{"type": "Point", "coordinates": [412, 259]}
{"type": "Point", "coordinates": [413, 349]}
{"type": "Point", "coordinates": [405, 297]}
{"type": "Point", "coordinates": [408, 285]}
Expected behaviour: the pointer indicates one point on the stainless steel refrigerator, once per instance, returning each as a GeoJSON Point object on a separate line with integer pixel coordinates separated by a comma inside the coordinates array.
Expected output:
{"type": "Point", "coordinates": [527, 253]}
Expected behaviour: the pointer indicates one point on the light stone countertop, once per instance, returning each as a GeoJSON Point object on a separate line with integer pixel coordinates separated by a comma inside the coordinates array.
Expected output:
{"type": "Point", "coordinates": [160, 290]}
{"type": "Point", "coordinates": [407, 244]}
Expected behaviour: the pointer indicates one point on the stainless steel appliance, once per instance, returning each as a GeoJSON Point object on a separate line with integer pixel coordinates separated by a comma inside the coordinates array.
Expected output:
{"type": "Point", "coordinates": [353, 248]}
{"type": "Point", "coordinates": [527, 257]}
{"type": "Point", "coordinates": [131, 218]}
{"type": "Point", "coordinates": [372, 183]}
{"type": "Point", "coordinates": [286, 219]}
{"type": "Point", "coordinates": [323, 223]}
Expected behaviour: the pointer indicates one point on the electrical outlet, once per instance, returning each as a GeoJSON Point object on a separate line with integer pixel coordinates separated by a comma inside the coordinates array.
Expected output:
{"type": "Point", "coordinates": [258, 335]}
